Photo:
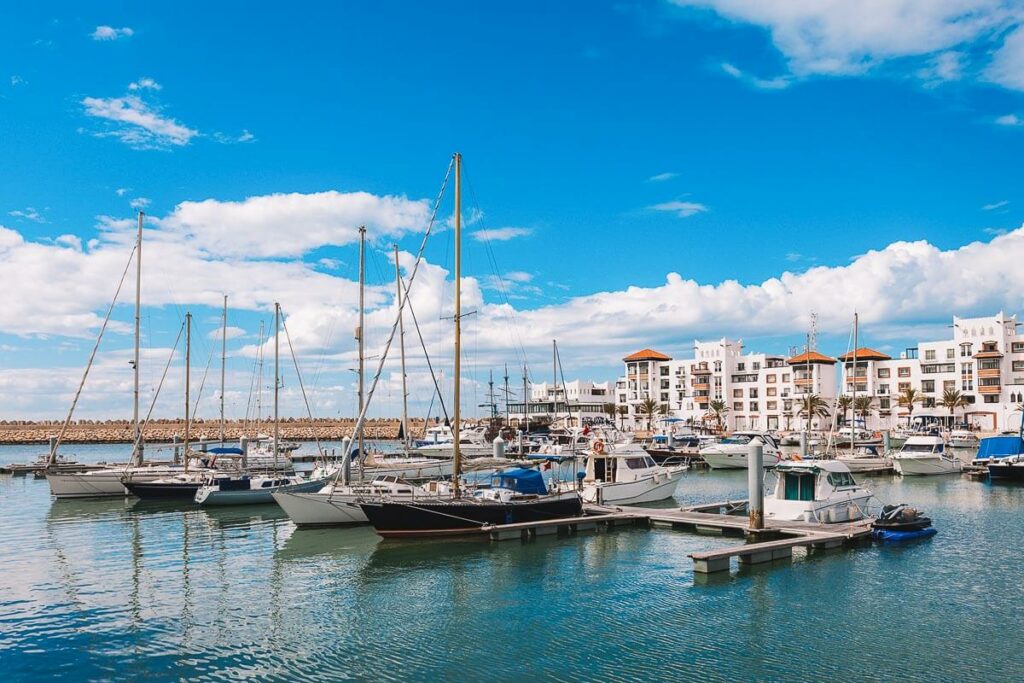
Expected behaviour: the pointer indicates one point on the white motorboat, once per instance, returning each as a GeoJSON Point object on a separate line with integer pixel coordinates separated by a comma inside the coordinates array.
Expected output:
{"type": "Point", "coordinates": [253, 489]}
{"type": "Point", "coordinates": [816, 491]}
{"type": "Point", "coordinates": [338, 504]}
{"type": "Point", "coordinates": [862, 437]}
{"type": "Point", "coordinates": [472, 444]}
{"type": "Point", "coordinates": [731, 452]}
{"type": "Point", "coordinates": [866, 459]}
{"type": "Point", "coordinates": [624, 474]}
{"type": "Point", "coordinates": [962, 438]}
{"type": "Point", "coordinates": [925, 454]}
{"type": "Point", "coordinates": [104, 483]}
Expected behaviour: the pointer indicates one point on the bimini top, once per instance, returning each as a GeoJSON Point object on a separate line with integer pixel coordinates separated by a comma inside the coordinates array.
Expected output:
{"type": "Point", "coordinates": [522, 481]}
{"type": "Point", "coordinates": [999, 447]}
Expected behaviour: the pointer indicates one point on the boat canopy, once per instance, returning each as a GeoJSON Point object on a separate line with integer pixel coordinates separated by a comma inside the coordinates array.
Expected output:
{"type": "Point", "coordinates": [522, 481]}
{"type": "Point", "coordinates": [1000, 447]}
{"type": "Point", "coordinates": [225, 450]}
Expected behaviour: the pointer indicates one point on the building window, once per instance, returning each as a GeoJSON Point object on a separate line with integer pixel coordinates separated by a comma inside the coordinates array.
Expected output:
{"type": "Point", "coordinates": [929, 354]}
{"type": "Point", "coordinates": [664, 371]}
{"type": "Point", "coordinates": [883, 388]}
{"type": "Point", "coordinates": [883, 373]}
{"type": "Point", "coordinates": [903, 386]}
{"type": "Point", "coordinates": [1017, 347]}
{"type": "Point", "coordinates": [950, 353]}
{"type": "Point", "coordinates": [740, 367]}
{"type": "Point", "coordinates": [903, 372]}
{"type": "Point", "coordinates": [785, 378]}
{"type": "Point", "coordinates": [967, 383]}
{"type": "Point", "coordinates": [772, 405]}
{"type": "Point", "coordinates": [756, 365]}
{"type": "Point", "coordinates": [949, 385]}
{"type": "Point", "coordinates": [753, 392]}
{"type": "Point", "coordinates": [928, 386]}
{"type": "Point", "coordinates": [738, 405]}
{"type": "Point", "coordinates": [769, 379]}
{"type": "Point", "coordinates": [989, 365]}
{"type": "Point", "coordinates": [965, 350]}
{"type": "Point", "coordinates": [753, 406]}
{"type": "Point", "coordinates": [737, 393]}
{"type": "Point", "coordinates": [991, 399]}
{"type": "Point", "coordinates": [718, 366]}
{"type": "Point", "coordinates": [770, 391]}
{"type": "Point", "coordinates": [883, 404]}
{"type": "Point", "coordinates": [1018, 365]}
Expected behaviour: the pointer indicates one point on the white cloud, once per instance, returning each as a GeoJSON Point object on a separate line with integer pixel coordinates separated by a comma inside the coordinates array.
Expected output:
{"type": "Point", "coordinates": [777, 83]}
{"type": "Point", "coordinates": [28, 214]}
{"type": "Point", "coordinates": [136, 123]}
{"type": "Point", "coordinates": [995, 205]}
{"type": "Point", "coordinates": [111, 33]}
{"type": "Point", "coordinates": [145, 84]}
{"type": "Point", "coordinates": [121, 191]}
{"type": "Point", "coordinates": [500, 234]}
{"type": "Point", "coordinates": [680, 209]}
{"type": "Point", "coordinates": [230, 333]}
{"type": "Point", "coordinates": [330, 263]}
{"type": "Point", "coordinates": [16, 81]}
{"type": "Point", "coordinates": [246, 136]}
{"type": "Point", "coordinates": [662, 177]}
{"type": "Point", "coordinates": [852, 37]}
{"type": "Point", "coordinates": [944, 67]}
{"type": "Point", "coordinates": [224, 139]}
{"type": "Point", "coordinates": [1007, 67]}
{"type": "Point", "coordinates": [1009, 120]}
{"type": "Point", "coordinates": [139, 203]}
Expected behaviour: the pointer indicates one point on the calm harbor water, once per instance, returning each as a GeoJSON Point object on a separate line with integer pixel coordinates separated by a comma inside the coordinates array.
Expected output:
{"type": "Point", "coordinates": [120, 590]}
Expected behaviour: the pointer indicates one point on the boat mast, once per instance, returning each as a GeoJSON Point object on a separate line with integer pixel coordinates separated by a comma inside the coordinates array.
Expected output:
{"type": "Point", "coordinates": [277, 383]}
{"type": "Point", "coordinates": [853, 429]}
{"type": "Point", "coordinates": [526, 402]}
{"type": "Point", "coordinates": [401, 342]}
{"type": "Point", "coordinates": [506, 396]}
{"type": "Point", "coordinates": [457, 454]}
{"type": "Point", "coordinates": [554, 379]}
{"type": "Point", "coordinates": [223, 360]}
{"type": "Point", "coordinates": [259, 384]}
{"type": "Point", "coordinates": [359, 334]}
{"type": "Point", "coordinates": [137, 451]}
{"type": "Point", "coordinates": [188, 379]}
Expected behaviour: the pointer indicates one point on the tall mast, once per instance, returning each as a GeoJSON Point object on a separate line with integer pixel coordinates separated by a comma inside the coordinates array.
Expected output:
{"type": "Point", "coordinates": [506, 395]}
{"type": "Point", "coordinates": [856, 341]}
{"type": "Point", "coordinates": [359, 331]}
{"type": "Point", "coordinates": [277, 370]}
{"type": "Point", "coordinates": [457, 454]}
{"type": "Point", "coordinates": [188, 379]}
{"type": "Point", "coordinates": [223, 360]}
{"type": "Point", "coordinates": [526, 402]}
{"type": "Point", "coordinates": [401, 341]}
{"type": "Point", "coordinates": [554, 378]}
{"type": "Point", "coordinates": [137, 451]}
{"type": "Point", "coordinates": [259, 383]}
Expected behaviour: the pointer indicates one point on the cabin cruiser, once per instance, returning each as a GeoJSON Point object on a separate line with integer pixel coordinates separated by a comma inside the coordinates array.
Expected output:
{"type": "Point", "coordinates": [249, 489]}
{"type": "Point", "coordinates": [472, 444]}
{"type": "Point", "coordinates": [962, 438]}
{"type": "Point", "coordinates": [816, 491]}
{"type": "Point", "coordinates": [925, 454]}
{"type": "Point", "coordinates": [846, 436]}
{"type": "Point", "coordinates": [731, 452]}
{"type": "Point", "coordinates": [624, 474]}
{"type": "Point", "coordinates": [793, 439]}
{"type": "Point", "coordinates": [866, 459]}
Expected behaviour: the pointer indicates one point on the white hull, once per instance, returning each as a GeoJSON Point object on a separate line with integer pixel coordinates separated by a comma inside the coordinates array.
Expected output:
{"type": "Point", "coordinates": [963, 443]}
{"type": "Point", "coordinates": [725, 460]}
{"type": "Point", "coordinates": [866, 464]}
{"type": "Point", "coordinates": [320, 509]}
{"type": "Point", "coordinates": [836, 509]}
{"type": "Point", "coordinates": [211, 497]}
{"type": "Point", "coordinates": [927, 465]}
{"type": "Point", "coordinates": [657, 486]}
{"type": "Point", "coordinates": [101, 483]}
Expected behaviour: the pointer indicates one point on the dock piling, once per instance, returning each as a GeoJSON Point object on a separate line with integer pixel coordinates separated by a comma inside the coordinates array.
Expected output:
{"type": "Point", "coordinates": [755, 482]}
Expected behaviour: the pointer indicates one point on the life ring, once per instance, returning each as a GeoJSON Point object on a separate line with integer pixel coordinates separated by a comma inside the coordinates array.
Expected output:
{"type": "Point", "coordinates": [599, 447]}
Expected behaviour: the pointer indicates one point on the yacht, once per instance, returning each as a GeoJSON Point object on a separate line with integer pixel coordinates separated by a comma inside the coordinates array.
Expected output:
{"type": "Point", "coordinates": [848, 435]}
{"type": "Point", "coordinates": [925, 454]}
{"type": "Point", "coordinates": [337, 504]}
{"type": "Point", "coordinates": [731, 452]}
{"type": "Point", "coordinates": [625, 474]}
{"type": "Point", "coordinates": [816, 491]}
{"type": "Point", "coordinates": [472, 444]}
{"type": "Point", "coordinates": [962, 438]}
{"type": "Point", "coordinates": [866, 459]}
{"type": "Point", "coordinates": [249, 489]}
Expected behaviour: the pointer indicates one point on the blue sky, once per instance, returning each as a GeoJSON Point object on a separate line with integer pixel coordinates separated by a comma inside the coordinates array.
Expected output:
{"type": "Point", "coordinates": [613, 144]}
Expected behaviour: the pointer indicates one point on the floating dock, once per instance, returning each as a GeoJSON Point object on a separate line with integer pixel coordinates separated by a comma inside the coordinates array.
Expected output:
{"type": "Point", "coordinates": [775, 542]}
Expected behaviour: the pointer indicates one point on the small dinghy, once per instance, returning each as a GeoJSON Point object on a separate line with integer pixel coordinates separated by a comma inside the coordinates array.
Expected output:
{"type": "Point", "coordinates": [900, 523]}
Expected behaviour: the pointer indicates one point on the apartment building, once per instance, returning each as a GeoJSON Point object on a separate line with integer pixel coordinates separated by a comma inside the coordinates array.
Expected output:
{"type": "Point", "coordinates": [582, 401]}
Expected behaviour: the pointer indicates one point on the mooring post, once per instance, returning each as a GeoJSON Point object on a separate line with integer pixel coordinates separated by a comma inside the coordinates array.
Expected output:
{"type": "Point", "coordinates": [346, 460]}
{"type": "Point", "coordinates": [499, 447]}
{"type": "Point", "coordinates": [176, 441]}
{"type": "Point", "coordinates": [803, 444]}
{"type": "Point", "coordinates": [243, 445]}
{"type": "Point", "coordinates": [755, 482]}
{"type": "Point", "coordinates": [886, 444]}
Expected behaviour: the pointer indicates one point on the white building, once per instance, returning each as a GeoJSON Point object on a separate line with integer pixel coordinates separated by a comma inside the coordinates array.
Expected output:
{"type": "Point", "coordinates": [758, 390]}
{"type": "Point", "coordinates": [983, 360]}
{"type": "Point", "coordinates": [582, 401]}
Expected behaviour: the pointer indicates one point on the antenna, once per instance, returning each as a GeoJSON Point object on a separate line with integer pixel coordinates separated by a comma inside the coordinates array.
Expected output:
{"type": "Point", "coordinates": [812, 336]}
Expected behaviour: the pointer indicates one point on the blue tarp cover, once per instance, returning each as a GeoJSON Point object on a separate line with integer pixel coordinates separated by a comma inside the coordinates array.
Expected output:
{"type": "Point", "coordinates": [999, 447]}
{"type": "Point", "coordinates": [522, 480]}
{"type": "Point", "coordinates": [224, 450]}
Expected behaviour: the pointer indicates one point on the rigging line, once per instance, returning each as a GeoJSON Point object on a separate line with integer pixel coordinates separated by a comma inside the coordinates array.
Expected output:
{"type": "Point", "coordinates": [199, 395]}
{"type": "Point", "coordinates": [298, 375]}
{"type": "Point", "coordinates": [565, 391]}
{"type": "Point", "coordinates": [430, 366]}
{"type": "Point", "coordinates": [412, 278]}
{"type": "Point", "coordinates": [251, 401]}
{"type": "Point", "coordinates": [92, 357]}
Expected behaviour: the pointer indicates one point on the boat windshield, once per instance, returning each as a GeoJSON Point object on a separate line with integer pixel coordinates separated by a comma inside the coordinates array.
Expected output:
{"type": "Point", "coordinates": [838, 479]}
{"type": "Point", "coordinates": [639, 463]}
{"type": "Point", "coordinates": [921, 448]}
{"type": "Point", "coordinates": [737, 439]}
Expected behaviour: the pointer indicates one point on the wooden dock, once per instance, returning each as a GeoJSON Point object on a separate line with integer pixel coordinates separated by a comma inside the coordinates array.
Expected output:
{"type": "Point", "coordinates": [728, 518]}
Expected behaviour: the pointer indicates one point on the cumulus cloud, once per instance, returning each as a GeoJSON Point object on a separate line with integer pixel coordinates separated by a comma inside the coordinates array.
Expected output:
{"type": "Point", "coordinates": [681, 209]}
{"type": "Point", "coordinates": [139, 203]}
{"type": "Point", "coordinates": [136, 123]}
{"type": "Point", "coordinates": [145, 84]}
{"type": "Point", "coordinates": [230, 333]}
{"type": "Point", "coordinates": [1007, 67]}
{"type": "Point", "coordinates": [111, 33]}
{"type": "Point", "coordinates": [500, 234]}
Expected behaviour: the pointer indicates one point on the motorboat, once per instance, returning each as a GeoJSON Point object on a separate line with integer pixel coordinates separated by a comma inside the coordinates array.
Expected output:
{"type": "Point", "coordinates": [901, 523]}
{"type": "Point", "coordinates": [866, 459]}
{"type": "Point", "coordinates": [925, 454]}
{"type": "Point", "coordinates": [434, 435]}
{"type": "Point", "coordinates": [472, 444]}
{"type": "Point", "coordinates": [515, 495]}
{"type": "Point", "coordinates": [962, 438]}
{"type": "Point", "coordinates": [816, 491]}
{"type": "Point", "coordinates": [995, 448]}
{"type": "Point", "coordinates": [793, 439]}
{"type": "Point", "coordinates": [250, 489]}
{"type": "Point", "coordinates": [337, 504]}
{"type": "Point", "coordinates": [731, 452]}
{"type": "Point", "coordinates": [846, 436]}
{"type": "Point", "coordinates": [625, 474]}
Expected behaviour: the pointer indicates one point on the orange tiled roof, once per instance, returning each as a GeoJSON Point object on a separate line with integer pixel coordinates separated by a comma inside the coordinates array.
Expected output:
{"type": "Point", "coordinates": [646, 354]}
{"type": "Point", "coordinates": [864, 353]}
{"type": "Point", "coordinates": [811, 357]}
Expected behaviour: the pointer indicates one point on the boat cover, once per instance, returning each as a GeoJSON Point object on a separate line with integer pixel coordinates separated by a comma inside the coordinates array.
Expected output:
{"type": "Point", "coordinates": [225, 450]}
{"type": "Point", "coordinates": [999, 447]}
{"type": "Point", "coordinates": [522, 480]}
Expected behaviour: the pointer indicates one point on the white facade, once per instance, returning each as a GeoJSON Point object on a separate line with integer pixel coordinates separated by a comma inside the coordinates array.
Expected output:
{"type": "Point", "coordinates": [760, 391]}
{"type": "Point", "coordinates": [983, 359]}
{"type": "Point", "coordinates": [579, 400]}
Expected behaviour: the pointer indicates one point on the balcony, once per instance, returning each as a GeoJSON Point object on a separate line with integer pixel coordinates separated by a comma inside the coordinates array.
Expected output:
{"type": "Point", "coordinates": [984, 389]}
{"type": "Point", "coordinates": [697, 386]}
{"type": "Point", "coordinates": [697, 370]}
{"type": "Point", "coordinates": [989, 373]}
{"type": "Point", "coordinates": [799, 381]}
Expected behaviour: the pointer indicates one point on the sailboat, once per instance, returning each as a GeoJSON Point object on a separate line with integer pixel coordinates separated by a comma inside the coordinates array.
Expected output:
{"type": "Point", "coordinates": [516, 495]}
{"type": "Point", "coordinates": [106, 482]}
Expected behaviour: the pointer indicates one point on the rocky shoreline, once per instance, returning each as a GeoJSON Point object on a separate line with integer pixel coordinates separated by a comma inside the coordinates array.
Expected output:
{"type": "Point", "coordinates": [120, 431]}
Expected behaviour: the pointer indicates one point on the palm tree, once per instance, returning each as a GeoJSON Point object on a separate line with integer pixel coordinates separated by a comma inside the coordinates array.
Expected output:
{"type": "Point", "coordinates": [843, 405]}
{"type": "Point", "coordinates": [863, 406]}
{"type": "Point", "coordinates": [623, 411]}
{"type": "Point", "coordinates": [649, 407]}
{"type": "Point", "coordinates": [718, 409]}
{"type": "Point", "coordinates": [953, 399]}
{"type": "Point", "coordinates": [907, 398]}
{"type": "Point", "coordinates": [664, 410]}
{"type": "Point", "coordinates": [610, 410]}
{"type": "Point", "coordinates": [812, 406]}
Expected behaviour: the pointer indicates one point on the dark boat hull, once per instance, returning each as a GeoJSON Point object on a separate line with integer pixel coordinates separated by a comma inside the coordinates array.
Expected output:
{"type": "Point", "coordinates": [426, 519]}
{"type": "Point", "coordinates": [154, 491]}
{"type": "Point", "coordinates": [1005, 471]}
